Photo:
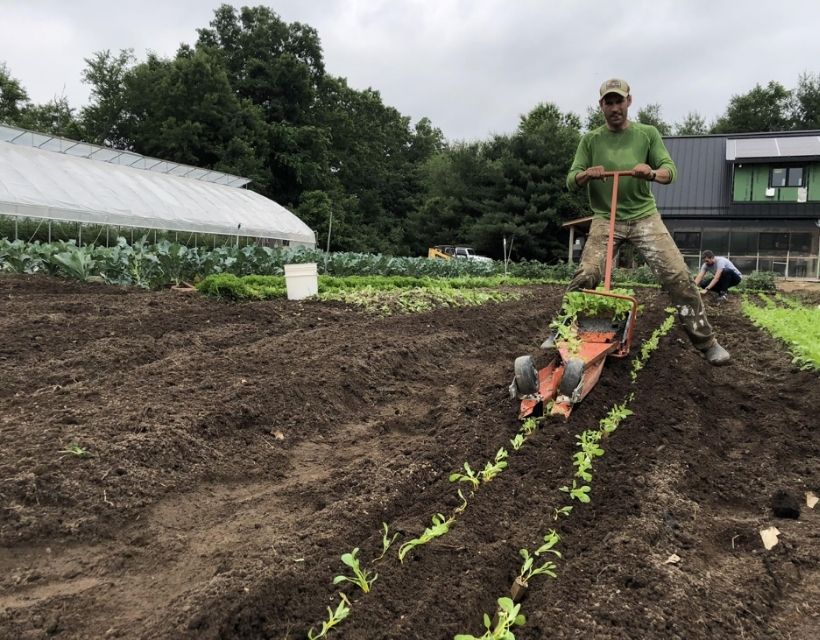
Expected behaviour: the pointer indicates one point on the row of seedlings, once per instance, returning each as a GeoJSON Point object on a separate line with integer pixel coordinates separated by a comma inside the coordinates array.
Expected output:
{"type": "Point", "coordinates": [508, 615]}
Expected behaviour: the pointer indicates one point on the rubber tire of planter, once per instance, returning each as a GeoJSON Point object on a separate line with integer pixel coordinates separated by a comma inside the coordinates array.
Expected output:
{"type": "Point", "coordinates": [526, 375]}
{"type": "Point", "coordinates": [573, 372]}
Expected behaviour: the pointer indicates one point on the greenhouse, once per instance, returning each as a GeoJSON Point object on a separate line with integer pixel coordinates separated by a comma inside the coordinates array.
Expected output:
{"type": "Point", "coordinates": [58, 189]}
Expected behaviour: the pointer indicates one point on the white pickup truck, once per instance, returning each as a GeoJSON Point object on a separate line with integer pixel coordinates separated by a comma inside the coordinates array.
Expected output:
{"type": "Point", "coordinates": [452, 251]}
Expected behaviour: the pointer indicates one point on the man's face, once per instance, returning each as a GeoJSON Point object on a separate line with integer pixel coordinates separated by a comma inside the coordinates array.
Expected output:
{"type": "Point", "coordinates": [615, 108]}
{"type": "Point", "coordinates": [710, 261]}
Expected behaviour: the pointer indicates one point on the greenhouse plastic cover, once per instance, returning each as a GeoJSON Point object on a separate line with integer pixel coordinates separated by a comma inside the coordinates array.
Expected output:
{"type": "Point", "coordinates": [36, 183]}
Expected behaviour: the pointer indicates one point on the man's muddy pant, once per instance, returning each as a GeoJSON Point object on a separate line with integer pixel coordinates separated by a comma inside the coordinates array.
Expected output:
{"type": "Point", "coordinates": [650, 237]}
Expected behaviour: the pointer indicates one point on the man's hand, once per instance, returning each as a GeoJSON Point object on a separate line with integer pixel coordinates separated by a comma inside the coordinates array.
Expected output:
{"type": "Point", "coordinates": [593, 173]}
{"type": "Point", "coordinates": [596, 173]}
{"type": "Point", "coordinates": [644, 171]}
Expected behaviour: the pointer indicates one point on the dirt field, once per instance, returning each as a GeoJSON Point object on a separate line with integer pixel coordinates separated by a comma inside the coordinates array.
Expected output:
{"type": "Point", "coordinates": [236, 451]}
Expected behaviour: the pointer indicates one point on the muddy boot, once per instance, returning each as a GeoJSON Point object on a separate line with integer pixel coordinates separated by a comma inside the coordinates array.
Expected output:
{"type": "Point", "coordinates": [717, 355]}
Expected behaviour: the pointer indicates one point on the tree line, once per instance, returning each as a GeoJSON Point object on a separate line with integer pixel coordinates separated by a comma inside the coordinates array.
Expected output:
{"type": "Point", "coordinates": [251, 97]}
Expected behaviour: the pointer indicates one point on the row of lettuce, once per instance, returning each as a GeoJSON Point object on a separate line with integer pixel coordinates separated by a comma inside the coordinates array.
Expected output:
{"type": "Point", "coordinates": [165, 263]}
{"type": "Point", "coordinates": [795, 324]}
{"type": "Point", "coordinates": [540, 561]}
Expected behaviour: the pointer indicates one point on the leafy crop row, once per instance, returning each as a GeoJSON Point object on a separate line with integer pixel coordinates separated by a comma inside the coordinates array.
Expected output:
{"type": "Point", "coordinates": [796, 325]}
{"type": "Point", "coordinates": [380, 294]}
{"type": "Point", "coordinates": [156, 265]}
{"type": "Point", "coordinates": [589, 449]}
{"type": "Point", "coordinates": [508, 615]}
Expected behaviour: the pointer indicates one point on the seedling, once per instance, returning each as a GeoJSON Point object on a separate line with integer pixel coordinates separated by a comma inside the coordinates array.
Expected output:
{"type": "Point", "coordinates": [529, 570]}
{"type": "Point", "coordinates": [618, 413]}
{"type": "Point", "coordinates": [529, 426]}
{"type": "Point", "coordinates": [507, 617]}
{"type": "Point", "coordinates": [517, 442]}
{"type": "Point", "coordinates": [563, 511]}
{"type": "Point", "coordinates": [333, 618]}
{"type": "Point", "coordinates": [460, 508]}
{"type": "Point", "coordinates": [492, 469]}
{"type": "Point", "coordinates": [439, 528]}
{"type": "Point", "coordinates": [76, 450]}
{"type": "Point", "coordinates": [578, 493]}
{"type": "Point", "coordinates": [386, 540]}
{"type": "Point", "coordinates": [469, 476]}
{"type": "Point", "coordinates": [550, 540]}
{"type": "Point", "coordinates": [360, 578]}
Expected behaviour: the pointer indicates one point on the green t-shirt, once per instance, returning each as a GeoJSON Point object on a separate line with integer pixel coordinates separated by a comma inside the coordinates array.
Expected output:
{"type": "Point", "coordinates": [621, 151]}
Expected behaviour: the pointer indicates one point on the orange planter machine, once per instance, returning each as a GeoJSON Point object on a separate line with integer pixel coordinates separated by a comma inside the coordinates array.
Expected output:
{"type": "Point", "coordinates": [570, 377]}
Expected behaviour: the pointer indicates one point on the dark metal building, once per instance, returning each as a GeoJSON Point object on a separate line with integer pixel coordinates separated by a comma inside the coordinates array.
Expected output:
{"type": "Point", "coordinates": [752, 197]}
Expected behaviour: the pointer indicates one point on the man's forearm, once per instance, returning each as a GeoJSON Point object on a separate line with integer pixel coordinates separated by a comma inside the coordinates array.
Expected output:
{"type": "Point", "coordinates": [715, 280]}
{"type": "Point", "coordinates": [581, 178]}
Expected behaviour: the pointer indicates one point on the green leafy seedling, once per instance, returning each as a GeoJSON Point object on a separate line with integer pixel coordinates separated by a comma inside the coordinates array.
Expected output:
{"type": "Point", "coordinates": [333, 618]}
{"type": "Point", "coordinates": [76, 450]}
{"type": "Point", "coordinates": [468, 476]}
{"type": "Point", "coordinates": [387, 541]}
{"type": "Point", "coordinates": [441, 525]}
{"type": "Point", "coordinates": [578, 493]}
{"type": "Point", "coordinates": [517, 442]}
{"type": "Point", "coordinates": [360, 578]}
{"type": "Point", "coordinates": [529, 426]}
{"type": "Point", "coordinates": [529, 570]}
{"type": "Point", "coordinates": [550, 540]}
{"type": "Point", "coordinates": [508, 616]}
{"type": "Point", "coordinates": [492, 469]}
{"type": "Point", "coordinates": [461, 507]}
{"type": "Point", "coordinates": [562, 511]}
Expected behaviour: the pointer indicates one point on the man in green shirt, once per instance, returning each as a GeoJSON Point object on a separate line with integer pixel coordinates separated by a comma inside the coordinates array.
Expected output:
{"type": "Point", "coordinates": [621, 145]}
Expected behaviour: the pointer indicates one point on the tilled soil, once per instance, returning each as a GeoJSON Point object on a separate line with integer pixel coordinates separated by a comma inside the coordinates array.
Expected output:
{"type": "Point", "coordinates": [235, 451]}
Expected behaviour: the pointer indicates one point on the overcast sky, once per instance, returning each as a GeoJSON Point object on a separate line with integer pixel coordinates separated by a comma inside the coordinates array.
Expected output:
{"type": "Point", "coordinates": [472, 66]}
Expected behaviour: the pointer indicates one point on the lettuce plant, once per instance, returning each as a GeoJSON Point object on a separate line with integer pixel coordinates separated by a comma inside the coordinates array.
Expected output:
{"type": "Point", "coordinates": [529, 425]}
{"type": "Point", "coordinates": [333, 618]}
{"type": "Point", "coordinates": [529, 569]}
{"type": "Point", "coordinates": [562, 511]}
{"type": "Point", "coordinates": [441, 525]}
{"type": "Point", "coordinates": [492, 469]}
{"type": "Point", "coordinates": [386, 540]}
{"type": "Point", "coordinates": [517, 441]}
{"type": "Point", "coordinates": [507, 617]}
{"type": "Point", "coordinates": [468, 476]}
{"type": "Point", "coordinates": [361, 578]}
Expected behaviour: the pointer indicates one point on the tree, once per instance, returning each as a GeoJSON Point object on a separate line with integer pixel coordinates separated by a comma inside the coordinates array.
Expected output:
{"type": "Point", "coordinates": [104, 119]}
{"type": "Point", "coordinates": [761, 109]}
{"type": "Point", "coordinates": [186, 111]}
{"type": "Point", "coordinates": [13, 96]}
{"type": "Point", "coordinates": [510, 186]}
{"type": "Point", "coordinates": [693, 125]}
{"type": "Point", "coordinates": [806, 108]}
{"type": "Point", "coordinates": [534, 200]}
{"type": "Point", "coordinates": [651, 114]}
{"type": "Point", "coordinates": [54, 117]}
{"type": "Point", "coordinates": [277, 67]}
{"type": "Point", "coordinates": [595, 118]}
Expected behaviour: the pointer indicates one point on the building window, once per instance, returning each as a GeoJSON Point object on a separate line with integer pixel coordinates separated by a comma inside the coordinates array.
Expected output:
{"type": "Point", "coordinates": [744, 243]}
{"type": "Point", "coordinates": [800, 244]}
{"type": "Point", "coordinates": [716, 241]}
{"type": "Point", "coordinates": [774, 244]}
{"type": "Point", "coordinates": [687, 241]}
{"type": "Point", "coordinates": [786, 177]}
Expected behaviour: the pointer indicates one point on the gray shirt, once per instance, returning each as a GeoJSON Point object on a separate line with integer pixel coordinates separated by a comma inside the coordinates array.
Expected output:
{"type": "Point", "coordinates": [723, 264]}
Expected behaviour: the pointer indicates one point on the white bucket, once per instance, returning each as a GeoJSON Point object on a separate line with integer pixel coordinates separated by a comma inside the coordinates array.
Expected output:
{"type": "Point", "coordinates": [301, 280]}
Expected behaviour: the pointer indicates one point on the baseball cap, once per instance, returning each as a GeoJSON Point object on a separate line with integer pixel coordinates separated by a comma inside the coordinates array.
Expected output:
{"type": "Point", "coordinates": [615, 85]}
